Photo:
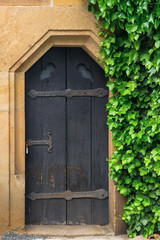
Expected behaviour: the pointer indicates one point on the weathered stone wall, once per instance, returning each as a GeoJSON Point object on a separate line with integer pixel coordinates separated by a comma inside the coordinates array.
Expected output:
{"type": "Point", "coordinates": [28, 29]}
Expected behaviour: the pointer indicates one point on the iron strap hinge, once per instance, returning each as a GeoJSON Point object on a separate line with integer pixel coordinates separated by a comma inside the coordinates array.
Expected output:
{"type": "Point", "coordinates": [68, 195]}
{"type": "Point", "coordinates": [69, 93]}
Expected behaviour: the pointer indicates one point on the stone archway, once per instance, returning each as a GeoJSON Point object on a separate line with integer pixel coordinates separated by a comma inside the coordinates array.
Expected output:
{"type": "Point", "coordinates": [90, 43]}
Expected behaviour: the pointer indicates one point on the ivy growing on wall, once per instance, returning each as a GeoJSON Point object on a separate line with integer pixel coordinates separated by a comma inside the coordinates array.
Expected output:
{"type": "Point", "coordinates": [131, 56]}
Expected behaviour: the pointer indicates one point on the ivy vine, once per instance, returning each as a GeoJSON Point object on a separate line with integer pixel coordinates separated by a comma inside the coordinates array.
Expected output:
{"type": "Point", "coordinates": [131, 56]}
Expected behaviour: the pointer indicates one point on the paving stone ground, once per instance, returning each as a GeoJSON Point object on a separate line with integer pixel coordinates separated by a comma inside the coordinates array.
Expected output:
{"type": "Point", "coordinates": [17, 236]}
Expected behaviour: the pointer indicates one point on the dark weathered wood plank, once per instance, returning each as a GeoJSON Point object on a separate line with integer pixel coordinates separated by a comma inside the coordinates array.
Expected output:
{"type": "Point", "coordinates": [78, 139]}
{"type": "Point", "coordinates": [99, 147]}
{"type": "Point", "coordinates": [34, 160]}
{"type": "Point", "coordinates": [54, 121]}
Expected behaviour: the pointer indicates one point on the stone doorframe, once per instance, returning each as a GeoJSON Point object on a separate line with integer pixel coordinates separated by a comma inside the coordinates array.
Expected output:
{"type": "Point", "coordinates": [90, 43]}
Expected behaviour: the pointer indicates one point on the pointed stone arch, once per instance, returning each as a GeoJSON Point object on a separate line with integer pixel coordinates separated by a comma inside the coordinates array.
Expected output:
{"type": "Point", "coordinates": [87, 40]}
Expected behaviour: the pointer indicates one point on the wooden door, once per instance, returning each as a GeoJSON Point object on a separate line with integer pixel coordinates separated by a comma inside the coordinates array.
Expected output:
{"type": "Point", "coordinates": [66, 140]}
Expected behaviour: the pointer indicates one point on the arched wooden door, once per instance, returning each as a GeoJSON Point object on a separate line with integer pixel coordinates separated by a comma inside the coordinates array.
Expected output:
{"type": "Point", "coordinates": [66, 140]}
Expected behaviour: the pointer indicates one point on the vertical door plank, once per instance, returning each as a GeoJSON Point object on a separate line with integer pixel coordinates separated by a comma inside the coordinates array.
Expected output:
{"type": "Point", "coordinates": [34, 159]}
{"type": "Point", "coordinates": [78, 137]}
{"type": "Point", "coordinates": [54, 121]}
{"type": "Point", "coordinates": [45, 115]}
{"type": "Point", "coordinates": [99, 147]}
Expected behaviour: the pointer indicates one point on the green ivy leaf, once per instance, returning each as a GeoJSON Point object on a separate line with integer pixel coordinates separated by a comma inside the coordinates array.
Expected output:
{"type": "Point", "coordinates": [131, 27]}
{"type": "Point", "coordinates": [137, 45]}
{"type": "Point", "coordinates": [158, 192]}
{"type": "Point", "coordinates": [156, 23]}
{"type": "Point", "coordinates": [157, 44]}
{"type": "Point", "coordinates": [147, 202]}
{"type": "Point", "coordinates": [132, 85]}
{"type": "Point", "coordinates": [93, 1]}
{"type": "Point", "coordinates": [140, 197]}
{"type": "Point", "coordinates": [144, 221]}
{"type": "Point", "coordinates": [110, 3]}
{"type": "Point", "coordinates": [110, 84]}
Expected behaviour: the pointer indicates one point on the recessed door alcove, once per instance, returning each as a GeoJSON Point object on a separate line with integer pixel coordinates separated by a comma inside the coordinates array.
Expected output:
{"type": "Point", "coordinates": [66, 140]}
{"type": "Point", "coordinates": [89, 42]}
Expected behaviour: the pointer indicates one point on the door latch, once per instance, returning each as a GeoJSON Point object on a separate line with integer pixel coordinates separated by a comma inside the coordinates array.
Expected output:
{"type": "Point", "coordinates": [48, 142]}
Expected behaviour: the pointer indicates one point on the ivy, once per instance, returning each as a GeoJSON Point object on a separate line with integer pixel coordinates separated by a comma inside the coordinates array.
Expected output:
{"type": "Point", "coordinates": [131, 56]}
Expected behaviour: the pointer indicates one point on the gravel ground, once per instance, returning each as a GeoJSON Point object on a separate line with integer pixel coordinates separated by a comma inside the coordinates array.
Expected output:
{"type": "Point", "coordinates": [17, 236]}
